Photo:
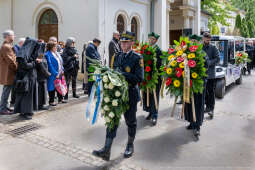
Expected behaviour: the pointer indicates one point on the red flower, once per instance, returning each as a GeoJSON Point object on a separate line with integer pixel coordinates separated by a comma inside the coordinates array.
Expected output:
{"type": "Point", "coordinates": [144, 83]}
{"type": "Point", "coordinates": [192, 63]}
{"type": "Point", "coordinates": [168, 81]}
{"type": "Point", "coordinates": [193, 48]}
{"type": "Point", "coordinates": [183, 43]}
{"type": "Point", "coordinates": [149, 62]}
{"type": "Point", "coordinates": [139, 84]}
{"type": "Point", "coordinates": [165, 68]}
{"type": "Point", "coordinates": [141, 52]}
{"type": "Point", "coordinates": [144, 47]}
{"type": "Point", "coordinates": [180, 59]}
{"type": "Point", "coordinates": [170, 50]}
{"type": "Point", "coordinates": [147, 69]}
{"type": "Point", "coordinates": [148, 52]}
{"type": "Point", "coordinates": [148, 78]}
{"type": "Point", "coordinates": [190, 83]}
{"type": "Point", "coordinates": [178, 72]}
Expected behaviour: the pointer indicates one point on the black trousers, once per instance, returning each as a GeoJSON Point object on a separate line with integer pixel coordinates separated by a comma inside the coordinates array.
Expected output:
{"type": "Point", "coordinates": [13, 96]}
{"type": "Point", "coordinates": [210, 94]}
{"type": "Point", "coordinates": [71, 77]}
{"type": "Point", "coordinates": [52, 96]}
{"type": "Point", "coordinates": [130, 116]}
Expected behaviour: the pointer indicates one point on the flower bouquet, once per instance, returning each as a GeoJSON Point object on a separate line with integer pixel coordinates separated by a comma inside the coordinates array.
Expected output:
{"type": "Point", "coordinates": [112, 94]}
{"type": "Point", "coordinates": [151, 73]}
{"type": "Point", "coordinates": [183, 69]}
{"type": "Point", "coordinates": [241, 58]}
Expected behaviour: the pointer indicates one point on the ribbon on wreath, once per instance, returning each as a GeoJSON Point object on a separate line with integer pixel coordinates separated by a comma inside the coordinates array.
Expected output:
{"type": "Point", "coordinates": [98, 88]}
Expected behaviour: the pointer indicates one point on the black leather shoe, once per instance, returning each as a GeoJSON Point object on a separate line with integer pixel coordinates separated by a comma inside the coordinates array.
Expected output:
{"type": "Point", "coordinates": [207, 110]}
{"type": "Point", "coordinates": [130, 147]}
{"type": "Point", "coordinates": [211, 114]}
{"type": "Point", "coordinates": [154, 121]}
{"type": "Point", "coordinates": [148, 117]}
{"type": "Point", "coordinates": [27, 116]}
{"type": "Point", "coordinates": [75, 95]}
{"type": "Point", "coordinates": [43, 108]}
{"type": "Point", "coordinates": [105, 152]}
{"type": "Point", "coordinates": [189, 127]}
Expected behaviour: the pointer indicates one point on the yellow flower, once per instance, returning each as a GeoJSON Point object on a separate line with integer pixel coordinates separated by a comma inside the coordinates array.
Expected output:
{"type": "Point", "coordinates": [191, 55]}
{"type": "Point", "coordinates": [177, 48]}
{"type": "Point", "coordinates": [179, 53]}
{"type": "Point", "coordinates": [183, 73]}
{"type": "Point", "coordinates": [169, 71]}
{"type": "Point", "coordinates": [177, 83]}
{"type": "Point", "coordinates": [194, 75]}
{"type": "Point", "coordinates": [170, 57]}
{"type": "Point", "coordinates": [181, 65]}
{"type": "Point", "coordinates": [173, 63]}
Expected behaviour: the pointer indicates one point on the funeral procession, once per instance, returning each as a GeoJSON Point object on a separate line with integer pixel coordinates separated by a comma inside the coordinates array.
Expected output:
{"type": "Point", "coordinates": [127, 85]}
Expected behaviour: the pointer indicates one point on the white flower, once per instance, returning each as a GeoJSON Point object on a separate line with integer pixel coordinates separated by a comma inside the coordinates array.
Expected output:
{"type": "Point", "coordinates": [107, 120]}
{"type": "Point", "coordinates": [97, 72]}
{"type": "Point", "coordinates": [115, 102]}
{"type": "Point", "coordinates": [106, 108]}
{"type": "Point", "coordinates": [94, 78]}
{"type": "Point", "coordinates": [111, 86]}
{"type": "Point", "coordinates": [105, 79]}
{"type": "Point", "coordinates": [117, 93]}
{"type": "Point", "coordinates": [106, 86]}
{"type": "Point", "coordinates": [111, 115]}
{"type": "Point", "coordinates": [106, 99]}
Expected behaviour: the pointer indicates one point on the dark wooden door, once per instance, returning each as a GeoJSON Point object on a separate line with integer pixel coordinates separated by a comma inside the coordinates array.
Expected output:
{"type": "Point", "coordinates": [175, 35]}
{"type": "Point", "coordinates": [48, 25]}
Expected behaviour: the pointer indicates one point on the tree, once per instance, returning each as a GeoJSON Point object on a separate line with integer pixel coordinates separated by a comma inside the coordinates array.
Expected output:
{"type": "Point", "coordinates": [238, 21]}
{"type": "Point", "coordinates": [248, 22]}
{"type": "Point", "coordinates": [215, 30]}
{"type": "Point", "coordinates": [219, 10]}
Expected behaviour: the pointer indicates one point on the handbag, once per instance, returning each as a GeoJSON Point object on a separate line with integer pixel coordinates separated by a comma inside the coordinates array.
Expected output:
{"type": "Point", "coordinates": [60, 85]}
{"type": "Point", "coordinates": [22, 86]}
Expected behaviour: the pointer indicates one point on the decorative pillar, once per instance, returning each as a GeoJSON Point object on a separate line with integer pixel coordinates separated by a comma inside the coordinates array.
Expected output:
{"type": "Point", "coordinates": [160, 22]}
{"type": "Point", "coordinates": [198, 17]}
{"type": "Point", "coordinates": [186, 22]}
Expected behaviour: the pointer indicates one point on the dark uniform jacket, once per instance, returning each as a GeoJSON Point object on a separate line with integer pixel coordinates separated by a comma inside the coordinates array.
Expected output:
{"type": "Point", "coordinates": [131, 66]}
{"type": "Point", "coordinates": [92, 53]}
{"type": "Point", "coordinates": [213, 59]}
{"type": "Point", "coordinates": [114, 49]}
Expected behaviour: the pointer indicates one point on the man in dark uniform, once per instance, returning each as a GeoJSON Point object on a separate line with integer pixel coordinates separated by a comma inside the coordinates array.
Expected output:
{"type": "Point", "coordinates": [92, 53]}
{"type": "Point", "coordinates": [114, 47]}
{"type": "Point", "coordinates": [153, 112]}
{"type": "Point", "coordinates": [213, 59]}
{"type": "Point", "coordinates": [199, 100]}
{"type": "Point", "coordinates": [130, 64]}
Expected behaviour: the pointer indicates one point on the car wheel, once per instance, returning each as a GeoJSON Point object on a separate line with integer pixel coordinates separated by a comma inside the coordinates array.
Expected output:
{"type": "Point", "coordinates": [220, 88]}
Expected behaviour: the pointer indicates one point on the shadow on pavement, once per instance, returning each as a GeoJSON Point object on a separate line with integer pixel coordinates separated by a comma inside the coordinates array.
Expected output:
{"type": "Point", "coordinates": [164, 147]}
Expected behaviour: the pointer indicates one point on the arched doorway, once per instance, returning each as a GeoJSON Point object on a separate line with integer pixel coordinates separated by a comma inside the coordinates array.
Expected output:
{"type": "Point", "coordinates": [120, 24]}
{"type": "Point", "coordinates": [48, 25]}
{"type": "Point", "coordinates": [134, 27]}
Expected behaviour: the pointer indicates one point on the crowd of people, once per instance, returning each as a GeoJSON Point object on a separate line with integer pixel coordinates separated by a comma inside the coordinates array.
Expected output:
{"type": "Point", "coordinates": [29, 69]}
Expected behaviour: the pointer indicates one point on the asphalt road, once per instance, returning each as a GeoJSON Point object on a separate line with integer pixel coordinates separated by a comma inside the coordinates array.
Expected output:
{"type": "Point", "coordinates": [66, 139]}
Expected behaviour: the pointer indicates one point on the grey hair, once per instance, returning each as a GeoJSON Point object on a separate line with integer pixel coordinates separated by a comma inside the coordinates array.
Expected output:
{"type": "Point", "coordinates": [22, 40]}
{"type": "Point", "coordinates": [116, 32]}
{"type": "Point", "coordinates": [69, 41]}
{"type": "Point", "coordinates": [7, 33]}
{"type": "Point", "coordinates": [53, 39]}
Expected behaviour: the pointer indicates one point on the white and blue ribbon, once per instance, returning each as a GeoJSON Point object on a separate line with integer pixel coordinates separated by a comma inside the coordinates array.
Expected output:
{"type": "Point", "coordinates": [97, 87]}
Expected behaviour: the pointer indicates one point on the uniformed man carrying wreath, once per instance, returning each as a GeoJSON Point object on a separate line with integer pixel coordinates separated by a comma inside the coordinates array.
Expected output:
{"type": "Point", "coordinates": [130, 64]}
{"type": "Point", "coordinates": [153, 111]}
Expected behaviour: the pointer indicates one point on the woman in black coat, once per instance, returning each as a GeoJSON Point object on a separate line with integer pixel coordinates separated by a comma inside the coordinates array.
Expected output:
{"type": "Point", "coordinates": [42, 76]}
{"type": "Point", "coordinates": [71, 65]}
{"type": "Point", "coordinates": [26, 78]}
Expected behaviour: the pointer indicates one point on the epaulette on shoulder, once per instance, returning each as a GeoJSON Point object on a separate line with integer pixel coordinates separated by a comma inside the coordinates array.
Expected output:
{"type": "Point", "coordinates": [138, 55]}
